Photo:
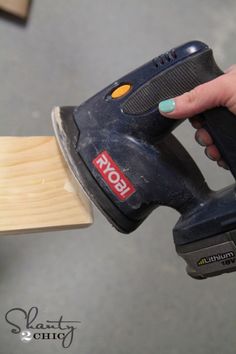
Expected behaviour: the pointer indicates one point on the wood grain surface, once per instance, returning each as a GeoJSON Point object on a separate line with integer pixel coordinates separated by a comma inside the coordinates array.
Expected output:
{"type": "Point", "coordinates": [16, 7]}
{"type": "Point", "coordinates": [37, 192]}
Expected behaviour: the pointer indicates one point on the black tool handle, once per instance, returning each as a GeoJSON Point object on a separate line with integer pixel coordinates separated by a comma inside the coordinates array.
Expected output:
{"type": "Point", "coordinates": [221, 124]}
{"type": "Point", "coordinates": [180, 75]}
{"type": "Point", "coordinates": [219, 121]}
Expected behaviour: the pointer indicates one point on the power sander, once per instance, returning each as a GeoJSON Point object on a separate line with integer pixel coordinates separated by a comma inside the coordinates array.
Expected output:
{"type": "Point", "coordinates": [121, 150]}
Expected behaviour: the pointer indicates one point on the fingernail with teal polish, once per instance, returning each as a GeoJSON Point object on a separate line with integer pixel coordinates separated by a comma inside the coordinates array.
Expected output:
{"type": "Point", "coordinates": [167, 106]}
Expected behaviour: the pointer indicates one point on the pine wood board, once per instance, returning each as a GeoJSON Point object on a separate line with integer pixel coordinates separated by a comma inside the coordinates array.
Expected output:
{"type": "Point", "coordinates": [18, 8]}
{"type": "Point", "coordinates": [37, 191]}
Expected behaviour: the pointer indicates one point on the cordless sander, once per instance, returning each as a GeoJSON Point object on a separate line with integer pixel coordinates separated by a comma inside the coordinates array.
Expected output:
{"type": "Point", "coordinates": [121, 150]}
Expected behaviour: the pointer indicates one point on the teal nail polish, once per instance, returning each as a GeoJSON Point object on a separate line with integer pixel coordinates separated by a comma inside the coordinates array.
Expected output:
{"type": "Point", "coordinates": [167, 106]}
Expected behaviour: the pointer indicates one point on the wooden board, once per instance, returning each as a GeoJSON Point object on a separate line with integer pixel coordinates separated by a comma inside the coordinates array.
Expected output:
{"type": "Point", "coordinates": [16, 7]}
{"type": "Point", "coordinates": [37, 192]}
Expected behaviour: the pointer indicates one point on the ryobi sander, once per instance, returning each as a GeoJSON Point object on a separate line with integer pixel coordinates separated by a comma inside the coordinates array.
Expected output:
{"type": "Point", "coordinates": [121, 150]}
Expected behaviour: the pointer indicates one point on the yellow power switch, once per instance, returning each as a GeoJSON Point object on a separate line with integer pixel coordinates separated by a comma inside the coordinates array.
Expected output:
{"type": "Point", "coordinates": [121, 91]}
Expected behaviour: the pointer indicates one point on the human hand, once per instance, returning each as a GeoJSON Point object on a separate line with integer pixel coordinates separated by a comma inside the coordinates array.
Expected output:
{"type": "Point", "coordinates": [218, 92]}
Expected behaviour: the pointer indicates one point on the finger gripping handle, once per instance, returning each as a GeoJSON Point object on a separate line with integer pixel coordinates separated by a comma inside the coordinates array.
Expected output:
{"type": "Point", "coordinates": [182, 76]}
{"type": "Point", "coordinates": [221, 124]}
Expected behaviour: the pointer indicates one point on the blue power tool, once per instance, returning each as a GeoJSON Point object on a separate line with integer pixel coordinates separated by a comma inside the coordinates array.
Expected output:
{"type": "Point", "coordinates": [121, 150]}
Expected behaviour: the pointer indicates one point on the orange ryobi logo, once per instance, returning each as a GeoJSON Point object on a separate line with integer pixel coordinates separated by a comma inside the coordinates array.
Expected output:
{"type": "Point", "coordinates": [113, 176]}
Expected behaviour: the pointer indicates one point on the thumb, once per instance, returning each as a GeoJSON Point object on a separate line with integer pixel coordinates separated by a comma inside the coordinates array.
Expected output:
{"type": "Point", "coordinates": [206, 96]}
